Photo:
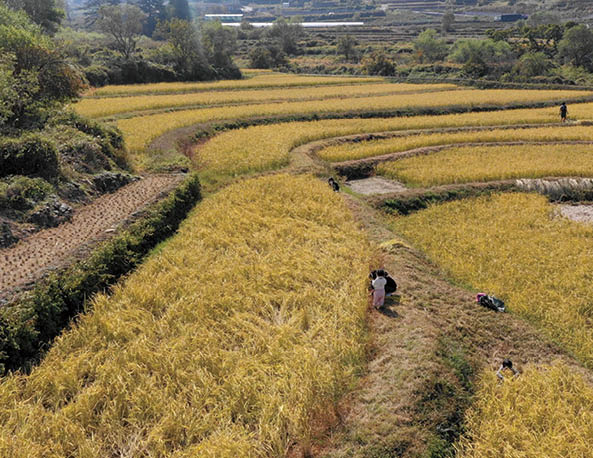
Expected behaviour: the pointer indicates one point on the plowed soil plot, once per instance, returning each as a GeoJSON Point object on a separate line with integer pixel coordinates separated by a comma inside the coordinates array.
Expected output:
{"type": "Point", "coordinates": [30, 258]}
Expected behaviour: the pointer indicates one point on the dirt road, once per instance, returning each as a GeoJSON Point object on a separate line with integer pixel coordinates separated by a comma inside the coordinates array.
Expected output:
{"type": "Point", "coordinates": [25, 262]}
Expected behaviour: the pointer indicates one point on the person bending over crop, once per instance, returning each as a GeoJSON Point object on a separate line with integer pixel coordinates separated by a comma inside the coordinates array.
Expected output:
{"type": "Point", "coordinates": [563, 111]}
{"type": "Point", "coordinates": [379, 289]}
{"type": "Point", "coordinates": [507, 365]}
{"type": "Point", "coordinates": [334, 184]}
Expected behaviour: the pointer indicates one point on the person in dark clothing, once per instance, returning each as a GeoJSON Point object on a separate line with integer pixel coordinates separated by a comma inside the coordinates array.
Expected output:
{"type": "Point", "coordinates": [334, 184]}
{"type": "Point", "coordinates": [563, 111]}
{"type": "Point", "coordinates": [507, 364]}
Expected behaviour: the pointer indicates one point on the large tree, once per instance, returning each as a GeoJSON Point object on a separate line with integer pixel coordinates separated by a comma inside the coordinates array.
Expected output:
{"type": "Point", "coordinates": [346, 46]}
{"type": "Point", "coordinates": [429, 48]}
{"type": "Point", "coordinates": [219, 45]}
{"type": "Point", "coordinates": [155, 12]}
{"type": "Point", "coordinates": [180, 9]}
{"type": "Point", "coordinates": [123, 23]}
{"type": "Point", "coordinates": [91, 9]}
{"type": "Point", "coordinates": [188, 54]}
{"type": "Point", "coordinates": [577, 47]}
{"type": "Point", "coordinates": [47, 13]}
{"type": "Point", "coordinates": [35, 77]}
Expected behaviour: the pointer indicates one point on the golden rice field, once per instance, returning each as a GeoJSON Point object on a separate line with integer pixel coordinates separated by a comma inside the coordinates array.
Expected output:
{"type": "Point", "coordinates": [264, 147]}
{"type": "Point", "coordinates": [107, 106]}
{"type": "Point", "coordinates": [261, 80]}
{"type": "Point", "coordinates": [350, 151]}
{"type": "Point", "coordinates": [515, 247]}
{"type": "Point", "coordinates": [140, 131]}
{"type": "Point", "coordinates": [243, 328]}
{"type": "Point", "coordinates": [546, 412]}
{"type": "Point", "coordinates": [487, 163]}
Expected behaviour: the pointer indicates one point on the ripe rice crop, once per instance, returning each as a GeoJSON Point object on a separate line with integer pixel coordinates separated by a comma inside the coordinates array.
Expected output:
{"type": "Point", "coordinates": [486, 163]}
{"type": "Point", "coordinates": [228, 341]}
{"type": "Point", "coordinates": [545, 412]}
{"type": "Point", "coordinates": [106, 106]}
{"type": "Point", "coordinates": [265, 147]}
{"type": "Point", "coordinates": [514, 246]}
{"type": "Point", "coordinates": [140, 131]}
{"type": "Point", "coordinates": [349, 151]}
{"type": "Point", "coordinates": [258, 81]}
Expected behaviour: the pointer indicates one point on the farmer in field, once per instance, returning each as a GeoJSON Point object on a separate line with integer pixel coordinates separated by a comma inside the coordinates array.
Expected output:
{"type": "Point", "coordinates": [563, 111]}
{"type": "Point", "coordinates": [334, 184]}
{"type": "Point", "coordinates": [507, 365]}
{"type": "Point", "coordinates": [378, 285]}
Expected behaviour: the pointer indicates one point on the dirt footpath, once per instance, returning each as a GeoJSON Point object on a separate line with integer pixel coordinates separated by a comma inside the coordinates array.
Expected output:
{"type": "Point", "coordinates": [25, 262]}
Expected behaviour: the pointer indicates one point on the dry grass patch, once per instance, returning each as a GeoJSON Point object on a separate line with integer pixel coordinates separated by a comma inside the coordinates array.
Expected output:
{"type": "Point", "coordinates": [228, 342]}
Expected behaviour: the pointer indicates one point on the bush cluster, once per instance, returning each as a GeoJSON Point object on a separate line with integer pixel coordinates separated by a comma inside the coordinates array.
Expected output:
{"type": "Point", "coordinates": [22, 193]}
{"type": "Point", "coordinates": [28, 325]}
{"type": "Point", "coordinates": [30, 155]}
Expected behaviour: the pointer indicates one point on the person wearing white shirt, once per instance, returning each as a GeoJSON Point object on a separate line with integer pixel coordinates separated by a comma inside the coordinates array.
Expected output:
{"type": "Point", "coordinates": [379, 289]}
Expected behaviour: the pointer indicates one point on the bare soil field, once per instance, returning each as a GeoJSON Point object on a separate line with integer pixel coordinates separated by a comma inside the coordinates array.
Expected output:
{"type": "Point", "coordinates": [580, 213]}
{"type": "Point", "coordinates": [375, 185]}
{"type": "Point", "coordinates": [27, 261]}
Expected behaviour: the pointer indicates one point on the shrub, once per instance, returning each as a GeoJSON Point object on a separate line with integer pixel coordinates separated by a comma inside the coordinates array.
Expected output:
{"type": "Point", "coordinates": [22, 193]}
{"type": "Point", "coordinates": [28, 155]}
{"type": "Point", "coordinates": [97, 75]}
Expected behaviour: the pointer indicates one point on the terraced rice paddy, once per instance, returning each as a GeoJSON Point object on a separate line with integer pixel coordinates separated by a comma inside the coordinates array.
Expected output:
{"type": "Point", "coordinates": [107, 106]}
{"type": "Point", "coordinates": [486, 163]}
{"type": "Point", "coordinates": [546, 412]}
{"type": "Point", "coordinates": [263, 80]}
{"type": "Point", "coordinates": [242, 335]}
{"type": "Point", "coordinates": [513, 246]}
{"type": "Point", "coordinates": [229, 341]}
{"type": "Point", "coordinates": [350, 151]}
{"type": "Point", "coordinates": [140, 131]}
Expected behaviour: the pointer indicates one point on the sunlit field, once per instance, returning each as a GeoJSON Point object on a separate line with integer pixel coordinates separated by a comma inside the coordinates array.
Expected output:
{"type": "Point", "coordinates": [140, 131]}
{"type": "Point", "coordinates": [106, 106]}
{"type": "Point", "coordinates": [258, 81]}
{"type": "Point", "coordinates": [544, 412]}
{"type": "Point", "coordinates": [486, 163]}
{"type": "Point", "coordinates": [513, 246]}
{"type": "Point", "coordinates": [350, 151]}
{"type": "Point", "coordinates": [231, 340]}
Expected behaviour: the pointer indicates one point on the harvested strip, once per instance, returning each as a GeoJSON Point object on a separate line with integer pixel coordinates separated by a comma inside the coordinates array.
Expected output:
{"type": "Point", "coordinates": [245, 327]}
{"type": "Point", "coordinates": [580, 213]}
{"type": "Point", "coordinates": [29, 259]}
{"type": "Point", "coordinates": [487, 163]}
{"type": "Point", "coordinates": [375, 185]}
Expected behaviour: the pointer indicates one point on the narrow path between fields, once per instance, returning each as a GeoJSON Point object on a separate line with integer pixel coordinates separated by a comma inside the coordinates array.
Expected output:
{"type": "Point", "coordinates": [413, 395]}
{"type": "Point", "coordinates": [28, 260]}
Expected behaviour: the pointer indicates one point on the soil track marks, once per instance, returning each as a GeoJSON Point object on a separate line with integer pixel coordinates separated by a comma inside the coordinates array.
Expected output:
{"type": "Point", "coordinates": [31, 258]}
